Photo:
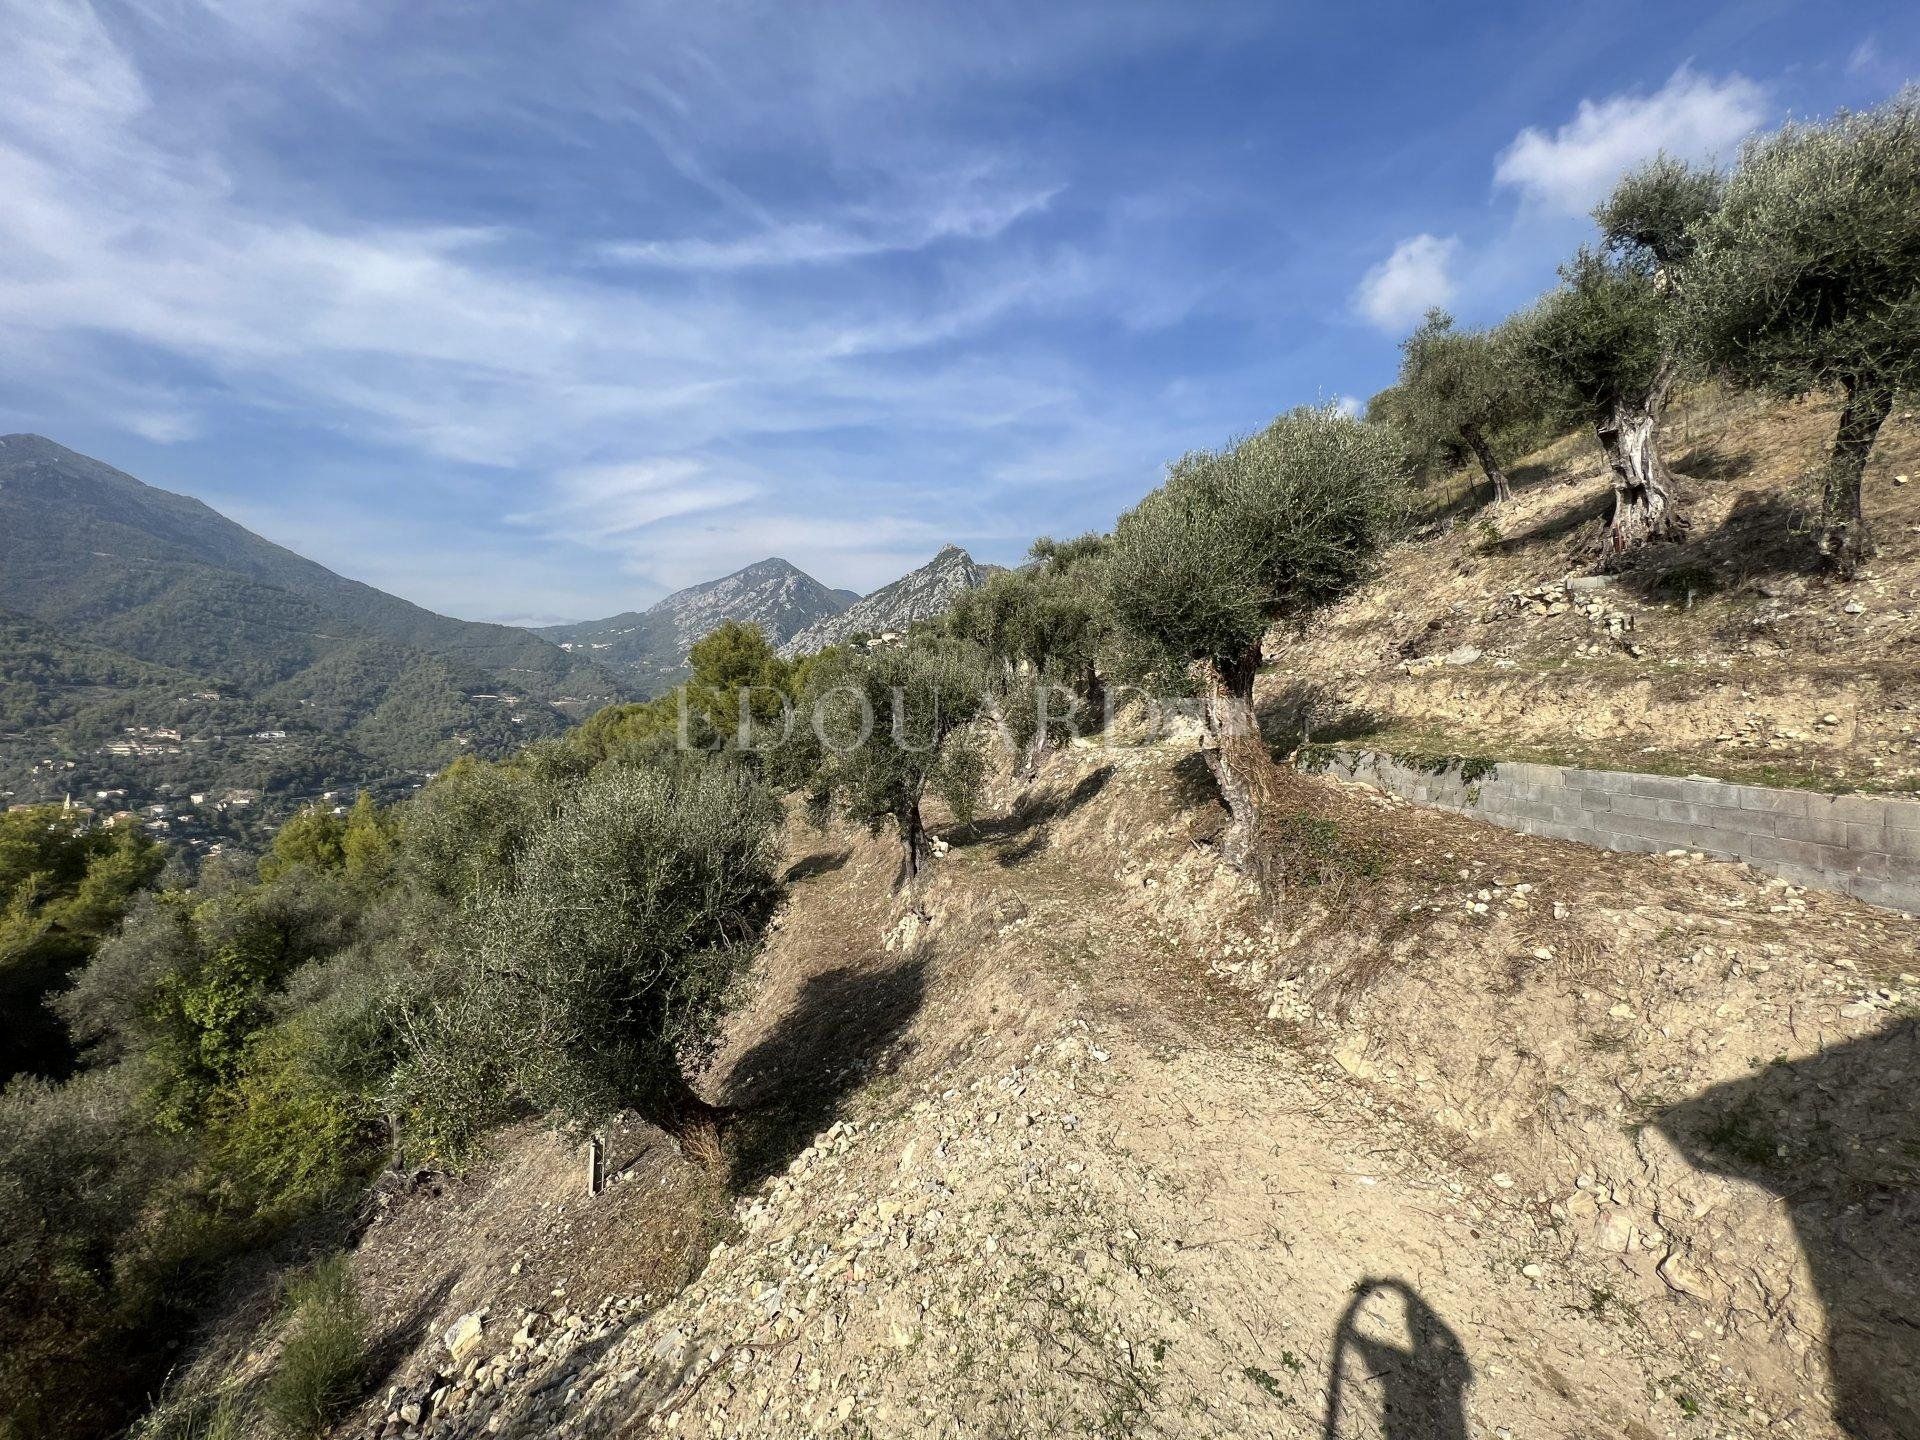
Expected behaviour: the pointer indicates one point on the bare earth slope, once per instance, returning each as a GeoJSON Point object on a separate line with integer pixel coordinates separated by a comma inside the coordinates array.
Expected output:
{"type": "Point", "coordinates": [1093, 1139]}
{"type": "Point", "coordinates": [1727, 655]}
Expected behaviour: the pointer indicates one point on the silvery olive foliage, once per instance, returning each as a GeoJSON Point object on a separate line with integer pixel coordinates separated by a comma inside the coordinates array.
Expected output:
{"type": "Point", "coordinates": [895, 724]}
{"type": "Point", "coordinates": [1807, 276]}
{"type": "Point", "coordinates": [1267, 530]}
{"type": "Point", "coordinates": [579, 981]}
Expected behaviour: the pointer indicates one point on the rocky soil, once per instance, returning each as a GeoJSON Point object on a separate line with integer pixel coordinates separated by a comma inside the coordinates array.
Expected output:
{"type": "Point", "coordinates": [1492, 633]}
{"type": "Point", "coordinates": [1497, 1137]}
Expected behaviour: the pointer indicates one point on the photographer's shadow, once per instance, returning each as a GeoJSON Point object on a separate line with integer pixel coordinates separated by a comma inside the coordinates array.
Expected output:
{"type": "Point", "coordinates": [1398, 1372]}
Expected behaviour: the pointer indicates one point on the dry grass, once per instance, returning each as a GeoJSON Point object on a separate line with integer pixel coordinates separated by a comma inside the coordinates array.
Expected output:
{"type": "Point", "coordinates": [1751, 664]}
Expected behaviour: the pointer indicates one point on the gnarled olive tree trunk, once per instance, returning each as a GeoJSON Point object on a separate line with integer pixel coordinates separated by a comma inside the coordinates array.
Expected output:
{"type": "Point", "coordinates": [1483, 452]}
{"type": "Point", "coordinates": [694, 1125]}
{"type": "Point", "coordinates": [1844, 541]}
{"type": "Point", "coordinates": [1644, 504]}
{"type": "Point", "coordinates": [1237, 755]}
{"type": "Point", "coordinates": [913, 839]}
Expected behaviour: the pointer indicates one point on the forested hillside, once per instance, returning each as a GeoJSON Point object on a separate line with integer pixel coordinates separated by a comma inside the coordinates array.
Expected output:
{"type": "Point", "coordinates": [154, 646]}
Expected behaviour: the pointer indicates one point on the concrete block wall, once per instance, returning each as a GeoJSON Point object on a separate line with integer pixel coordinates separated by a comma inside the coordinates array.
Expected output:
{"type": "Point", "coordinates": [1866, 845]}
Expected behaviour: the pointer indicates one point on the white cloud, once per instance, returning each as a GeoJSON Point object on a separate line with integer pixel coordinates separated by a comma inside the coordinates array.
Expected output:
{"type": "Point", "coordinates": [1409, 282]}
{"type": "Point", "coordinates": [813, 242]}
{"type": "Point", "coordinates": [166, 266]}
{"type": "Point", "coordinates": [609, 500]}
{"type": "Point", "coordinates": [1351, 406]}
{"type": "Point", "coordinates": [1693, 116]}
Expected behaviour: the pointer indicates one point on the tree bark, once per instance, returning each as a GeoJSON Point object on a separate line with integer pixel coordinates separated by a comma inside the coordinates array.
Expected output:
{"type": "Point", "coordinates": [1096, 690]}
{"type": "Point", "coordinates": [1037, 749]}
{"type": "Point", "coordinates": [1644, 505]}
{"type": "Point", "coordinates": [913, 838]}
{"type": "Point", "coordinates": [1236, 754]}
{"type": "Point", "coordinates": [1483, 452]}
{"type": "Point", "coordinates": [1844, 541]}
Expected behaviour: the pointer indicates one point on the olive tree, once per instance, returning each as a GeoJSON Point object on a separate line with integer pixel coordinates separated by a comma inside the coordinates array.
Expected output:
{"type": "Point", "coordinates": [1266, 531]}
{"type": "Point", "coordinates": [1454, 388]}
{"type": "Point", "coordinates": [579, 975]}
{"type": "Point", "coordinates": [1601, 345]}
{"type": "Point", "coordinates": [1808, 277]}
{"type": "Point", "coordinates": [1043, 625]}
{"type": "Point", "coordinates": [895, 723]}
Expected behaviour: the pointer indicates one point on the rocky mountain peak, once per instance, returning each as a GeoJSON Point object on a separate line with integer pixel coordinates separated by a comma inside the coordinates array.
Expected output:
{"type": "Point", "coordinates": [918, 595]}
{"type": "Point", "coordinates": [649, 648]}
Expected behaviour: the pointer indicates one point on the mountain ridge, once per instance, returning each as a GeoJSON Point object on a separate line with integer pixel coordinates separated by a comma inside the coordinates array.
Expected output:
{"type": "Point", "coordinates": [920, 594]}
{"type": "Point", "coordinates": [648, 648]}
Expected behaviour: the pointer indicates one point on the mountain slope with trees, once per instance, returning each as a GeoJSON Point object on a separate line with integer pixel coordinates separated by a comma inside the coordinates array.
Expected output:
{"type": "Point", "coordinates": [927, 1064]}
{"type": "Point", "coordinates": [131, 610]}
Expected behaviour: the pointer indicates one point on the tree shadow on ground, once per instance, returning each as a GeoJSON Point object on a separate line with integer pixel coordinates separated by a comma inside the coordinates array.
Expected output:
{"type": "Point", "coordinates": [1398, 1371]}
{"type": "Point", "coordinates": [1765, 535]}
{"type": "Point", "coordinates": [1305, 711]}
{"type": "Point", "coordinates": [844, 1028]}
{"type": "Point", "coordinates": [824, 863]}
{"type": "Point", "coordinates": [524, 1411]}
{"type": "Point", "coordinates": [1837, 1137]}
{"type": "Point", "coordinates": [1574, 526]}
{"type": "Point", "coordinates": [1712, 461]}
{"type": "Point", "coordinates": [394, 1343]}
{"type": "Point", "coordinates": [1032, 810]}
{"type": "Point", "coordinates": [1470, 497]}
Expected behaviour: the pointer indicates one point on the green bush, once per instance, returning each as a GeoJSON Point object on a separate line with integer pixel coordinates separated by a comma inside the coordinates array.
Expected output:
{"type": "Point", "coordinates": [575, 982]}
{"type": "Point", "coordinates": [323, 1360]}
{"type": "Point", "coordinates": [76, 1284]}
{"type": "Point", "coordinates": [63, 890]}
{"type": "Point", "coordinates": [288, 1134]}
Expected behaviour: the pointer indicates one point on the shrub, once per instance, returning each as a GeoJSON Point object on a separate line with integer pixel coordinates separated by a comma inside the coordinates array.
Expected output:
{"type": "Point", "coordinates": [575, 983]}
{"type": "Point", "coordinates": [291, 1131]}
{"type": "Point", "coordinates": [323, 1360]}
{"type": "Point", "coordinates": [63, 891]}
{"type": "Point", "coordinates": [75, 1172]}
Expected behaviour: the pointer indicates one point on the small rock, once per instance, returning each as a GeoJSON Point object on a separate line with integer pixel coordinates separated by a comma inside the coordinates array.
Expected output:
{"type": "Point", "coordinates": [462, 1337]}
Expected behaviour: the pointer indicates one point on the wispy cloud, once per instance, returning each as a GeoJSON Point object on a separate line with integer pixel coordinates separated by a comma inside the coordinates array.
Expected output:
{"type": "Point", "coordinates": [1404, 286]}
{"type": "Point", "coordinates": [876, 230]}
{"type": "Point", "coordinates": [614, 500]}
{"type": "Point", "coordinates": [1694, 116]}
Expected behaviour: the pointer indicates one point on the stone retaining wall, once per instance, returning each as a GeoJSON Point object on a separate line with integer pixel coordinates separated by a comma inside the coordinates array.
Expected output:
{"type": "Point", "coordinates": [1867, 845]}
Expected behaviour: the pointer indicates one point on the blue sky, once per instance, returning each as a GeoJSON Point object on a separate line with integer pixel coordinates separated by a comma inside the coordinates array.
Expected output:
{"type": "Point", "coordinates": [541, 310]}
